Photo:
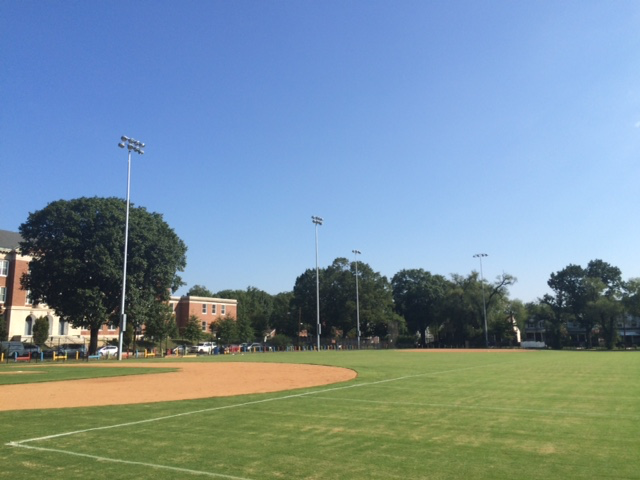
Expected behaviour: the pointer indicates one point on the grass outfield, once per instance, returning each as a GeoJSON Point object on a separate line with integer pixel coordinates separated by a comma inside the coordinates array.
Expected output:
{"type": "Point", "coordinates": [15, 373]}
{"type": "Point", "coordinates": [538, 415]}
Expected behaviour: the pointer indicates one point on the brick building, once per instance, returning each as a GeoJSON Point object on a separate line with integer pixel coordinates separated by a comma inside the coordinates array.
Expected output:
{"type": "Point", "coordinates": [20, 313]}
{"type": "Point", "coordinates": [207, 309]}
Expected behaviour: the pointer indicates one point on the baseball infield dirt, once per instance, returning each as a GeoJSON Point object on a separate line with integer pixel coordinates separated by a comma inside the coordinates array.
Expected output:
{"type": "Point", "coordinates": [191, 381]}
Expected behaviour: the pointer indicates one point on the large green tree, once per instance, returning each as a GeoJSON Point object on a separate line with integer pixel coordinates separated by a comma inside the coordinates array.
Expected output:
{"type": "Point", "coordinates": [304, 302]}
{"type": "Point", "coordinates": [579, 292]}
{"type": "Point", "coordinates": [226, 330]}
{"type": "Point", "coordinates": [192, 331]}
{"type": "Point", "coordinates": [418, 297]}
{"type": "Point", "coordinates": [77, 258]}
{"type": "Point", "coordinates": [254, 311]}
{"type": "Point", "coordinates": [461, 314]}
{"type": "Point", "coordinates": [284, 318]}
{"type": "Point", "coordinates": [200, 291]}
{"type": "Point", "coordinates": [338, 306]}
{"type": "Point", "coordinates": [550, 312]}
{"type": "Point", "coordinates": [160, 323]}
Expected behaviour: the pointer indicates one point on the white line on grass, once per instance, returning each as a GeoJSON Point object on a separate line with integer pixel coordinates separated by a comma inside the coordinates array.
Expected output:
{"type": "Point", "coordinates": [236, 405]}
{"type": "Point", "coordinates": [129, 462]}
{"type": "Point", "coordinates": [23, 443]}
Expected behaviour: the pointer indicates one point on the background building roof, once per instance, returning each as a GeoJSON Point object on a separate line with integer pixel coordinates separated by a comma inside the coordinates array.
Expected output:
{"type": "Point", "coordinates": [10, 240]}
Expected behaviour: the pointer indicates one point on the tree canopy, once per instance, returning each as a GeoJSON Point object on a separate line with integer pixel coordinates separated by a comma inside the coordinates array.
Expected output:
{"type": "Point", "coordinates": [338, 301]}
{"type": "Point", "coordinates": [589, 297]}
{"type": "Point", "coordinates": [77, 259]}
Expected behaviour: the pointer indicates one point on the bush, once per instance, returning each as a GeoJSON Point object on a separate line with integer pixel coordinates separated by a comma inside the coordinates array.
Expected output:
{"type": "Point", "coordinates": [280, 341]}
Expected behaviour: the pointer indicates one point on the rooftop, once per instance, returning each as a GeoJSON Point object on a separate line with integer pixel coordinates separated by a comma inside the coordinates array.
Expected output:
{"type": "Point", "coordinates": [10, 240]}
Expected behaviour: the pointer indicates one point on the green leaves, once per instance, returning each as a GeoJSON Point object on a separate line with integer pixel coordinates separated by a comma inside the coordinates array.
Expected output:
{"type": "Point", "coordinates": [77, 267]}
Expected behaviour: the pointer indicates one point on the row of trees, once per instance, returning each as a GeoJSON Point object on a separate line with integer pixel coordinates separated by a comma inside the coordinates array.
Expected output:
{"type": "Point", "coordinates": [595, 298]}
{"type": "Point", "coordinates": [412, 301]}
{"type": "Point", "coordinates": [76, 268]}
{"type": "Point", "coordinates": [415, 301]}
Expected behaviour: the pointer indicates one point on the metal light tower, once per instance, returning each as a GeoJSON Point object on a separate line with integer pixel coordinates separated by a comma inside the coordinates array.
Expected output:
{"type": "Point", "coordinates": [317, 221]}
{"type": "Point", "coordinates": [133, 146]}
{"type": "Point", "coordinates": [484, 303]}
{"type": "Point", "coordinates": [355, 254]}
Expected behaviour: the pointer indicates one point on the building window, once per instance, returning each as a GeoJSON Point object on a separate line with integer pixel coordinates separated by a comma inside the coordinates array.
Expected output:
{"type": "Point", "coordinates": [28, 326]}
{"type": "Point", "coordinates": [64, 328]}
{"type": "Point", "coordinates": [204, 308]}
{"type": "Point", "coordinates": [112, 327]}
{"type": "Point", "coordinates": [4, 268]}
{"type": "Point", "coordinates": [223, 309]}
{"type": "Point", "coordinates": [3, 294]}
{"type": "Point", "coordinates": [213, 309]}
{"type": "Point", "coordinates": [204, 326]}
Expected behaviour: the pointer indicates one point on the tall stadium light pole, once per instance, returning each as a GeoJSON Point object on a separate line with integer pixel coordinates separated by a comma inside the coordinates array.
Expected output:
{"type": "Point", "coordinates": [355, 254]}
{"type": "Point", "coordinates": [484, 303]}
{"type": "Point", "coordinates": [317, 221]}
{"type": "Point", "coordinates": [132, 146]}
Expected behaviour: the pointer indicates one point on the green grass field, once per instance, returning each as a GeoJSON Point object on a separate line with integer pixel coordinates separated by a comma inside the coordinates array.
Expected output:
{"type": "Point", "coordinates": [16, 373]}
{"type": "Point", "coordinates": [538, 415]}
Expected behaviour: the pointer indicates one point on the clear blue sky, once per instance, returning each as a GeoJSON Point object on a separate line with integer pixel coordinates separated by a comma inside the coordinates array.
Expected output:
{"type": "Point", "coordinates": [422, 131]}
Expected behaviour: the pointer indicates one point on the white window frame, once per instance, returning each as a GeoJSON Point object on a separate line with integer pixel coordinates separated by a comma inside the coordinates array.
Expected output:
{"type": "Point", "coordinates": [204, 308]}
{"type": "Point", "coordinates": [223, 309]}
{"type": "Point", "coordinates": [4, 268]}
{"type": "Point", "coordinates": [3, 294]}
{"type": "Point", "coordinates": [204, 326]}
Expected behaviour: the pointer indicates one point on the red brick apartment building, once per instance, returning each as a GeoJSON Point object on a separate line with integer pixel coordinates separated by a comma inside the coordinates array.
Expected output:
{"type": "Point", "coordinates": [207, 309]}
{"type": "Point", "coordinates": [20, 313]}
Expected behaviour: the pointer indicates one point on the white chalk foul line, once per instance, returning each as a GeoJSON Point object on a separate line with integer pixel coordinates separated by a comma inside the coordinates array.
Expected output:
{"type": "Point", "coordinates": [23, 443]}
{"type": "Point", "coordinates": [236, 405]}
{"type": "Point", "coordinates": [128, 462]}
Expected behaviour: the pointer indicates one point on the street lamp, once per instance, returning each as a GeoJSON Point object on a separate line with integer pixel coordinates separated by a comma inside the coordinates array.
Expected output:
{"type": "Point", "coordinates": [355, 254]}
{"type": "Point", "coordinates": [484, 303]}
{"type": "Point", "coordinates": [317, 221]}
{"type": "Point", "coordinates": [132, 146]}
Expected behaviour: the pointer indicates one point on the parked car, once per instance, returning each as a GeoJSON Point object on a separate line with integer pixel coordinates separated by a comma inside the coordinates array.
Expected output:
{"type": "Point", "coordinates": [206, 347]}
{"type": "Point", "coordinates": [181, 349]}
{"type": "Point", "coordinates": [108, 351]}
{"type": "Point", "coordinates": [9, 348]}
{"type": "Point", "coordinates": [71, 349]}
{"type": "Point", "coordinates": [30, 348]}
{"type": "Point", "coordinates": [252, 347]}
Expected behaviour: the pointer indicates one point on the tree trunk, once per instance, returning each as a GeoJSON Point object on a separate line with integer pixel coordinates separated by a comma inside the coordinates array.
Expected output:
{"type": "Point", "coordinates": [93, 342]}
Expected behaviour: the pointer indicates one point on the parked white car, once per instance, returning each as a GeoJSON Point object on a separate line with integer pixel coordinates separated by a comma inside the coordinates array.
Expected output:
{"type": "Point", "coordinates": [108, 351]}
{"type": "Point", "coordinates": [206, 347]}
